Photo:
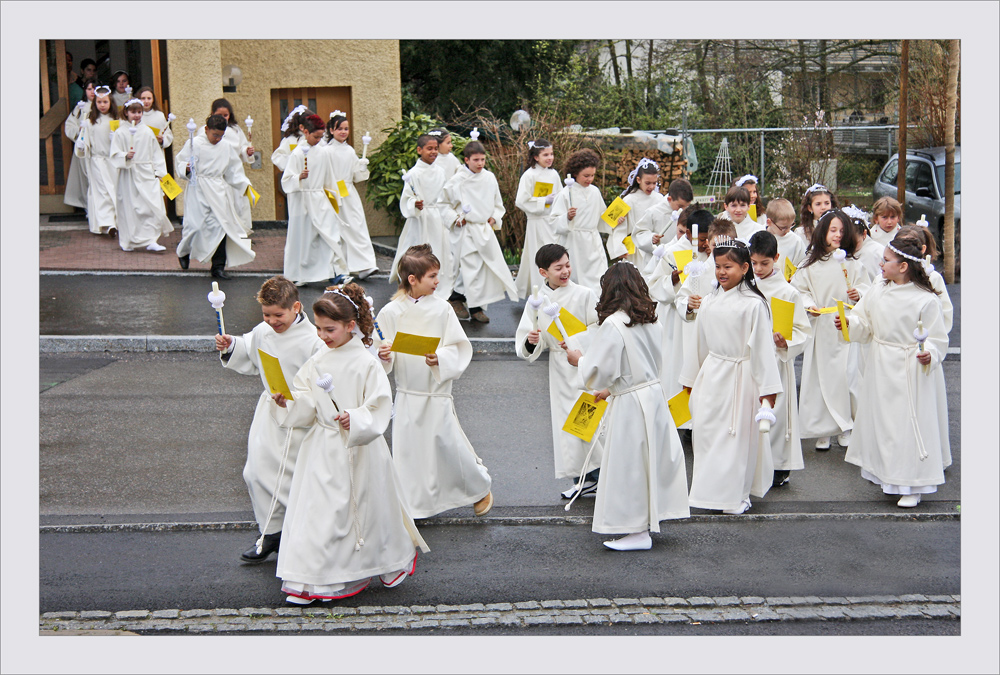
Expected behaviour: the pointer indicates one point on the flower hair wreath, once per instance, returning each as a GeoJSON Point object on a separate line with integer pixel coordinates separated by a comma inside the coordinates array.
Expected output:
{"type": "Point", "coordinates": [925, 262]}
{"type": "Point", "coordinates": [749, 177]}
{"type": "Point", "coordinates": [644, 162]}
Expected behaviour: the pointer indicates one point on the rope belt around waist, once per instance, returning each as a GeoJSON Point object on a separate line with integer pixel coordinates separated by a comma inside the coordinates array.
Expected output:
{"type": "Point", "coordinates": [907, 348]}
{"type": "Point", "coordinates": [738, 389]}
{"type": "Point", "coordinates": [634, 387]}
{"type": "Point", "coordinates": [421, 393]}
{"type": "Point", "coordinates": [311, 190]}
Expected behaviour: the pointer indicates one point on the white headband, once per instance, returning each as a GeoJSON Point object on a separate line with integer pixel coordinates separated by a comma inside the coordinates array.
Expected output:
{"type": "Point", "coordinates": [856, 213]}
{"type": "Point", "coordinates": [645, 161]}
{"type": "Point", "coordinates": [295, 111]}
{"type": "Point", "coordinates": [131, 101]}
{"type": "Point", "coordinates": [344, 295]}
{"type": "Point", "coordinates": [103, 90]}
{"type": "Point", "coordinates": [434, 133]}
{"type": "Point", "coordinates": [817, 186]}
{"type": "Point", "coordinates": [925, 262]}
{"type": "Point", "coordinates": [745, 178]}
{"type": "Point", "coordinates": [336, 113]}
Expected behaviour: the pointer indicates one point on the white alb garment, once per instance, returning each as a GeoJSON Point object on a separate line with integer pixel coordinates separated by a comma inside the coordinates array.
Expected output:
{"type": "Point", "coordinates": [93, 145]}
{"type": "Point", "coordinates": [76, 181]}
{"type": "Point", "coordinates": [279, 157]}
{"type": "Point", "coordinates": [427, 225]}
{"type": "Point", "coordinates": [236, 139]}
{"type": "Point", "coordinates": [640, 203]}
{"type": "Point", "coordinates": [658, 219]}
{"type": "Point", "coordinates": [348, 169]}
{"type": "Point", "coordinates": [141, 213]}
{"type": "Point", "coordinates": [539, 229]}
{"type": "Point", "coordinates": [582, 235]}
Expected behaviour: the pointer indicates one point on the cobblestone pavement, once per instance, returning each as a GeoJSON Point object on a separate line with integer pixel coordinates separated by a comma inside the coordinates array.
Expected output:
{"type": "Point", "coordinates": [593, 611]}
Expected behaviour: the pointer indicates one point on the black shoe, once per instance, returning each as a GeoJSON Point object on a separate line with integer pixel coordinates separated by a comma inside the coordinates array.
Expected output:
{"type": "Point", "coordinates": [268, 546]}
{"type": "Point", "coordinates": [113, 233]}
{"type": "Point", "coordinates": [220, 273]}
{"type": "Point", "coordinates": [184, 260]}
{"type": "Point", "coordinates": [780, 478]}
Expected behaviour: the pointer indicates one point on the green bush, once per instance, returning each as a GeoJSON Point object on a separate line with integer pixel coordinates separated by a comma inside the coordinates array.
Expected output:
{"type": "Point", "coordinates": [858, 170]}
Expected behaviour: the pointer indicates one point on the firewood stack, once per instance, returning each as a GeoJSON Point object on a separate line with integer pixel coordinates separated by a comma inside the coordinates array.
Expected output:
{"type": "Point", "coordinates": [618, 164]}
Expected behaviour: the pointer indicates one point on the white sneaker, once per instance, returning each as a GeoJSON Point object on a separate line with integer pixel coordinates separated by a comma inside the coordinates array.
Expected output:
{"type": "Point", "coordinates": [156, 247]}
{"type": "Point", "coordinates": [844, 439]}
{"type": "Point", "coordinates": [640, 541]}
{"type": "Point", "coordinates": [742, 508]}
{"type": "Point", "coordinates": [908, 501]}
{"type": "Point", "coordinates": [364, 274]}
{"type": "Point", "coordinates": [589, 489]}
{"type": "Point", "coordinates": [823, 443]}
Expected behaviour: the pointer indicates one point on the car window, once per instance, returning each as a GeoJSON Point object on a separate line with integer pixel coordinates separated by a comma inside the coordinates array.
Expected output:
{"type": "Point", "coordinates": [890, 173]}
{"type": "Point", "coordinates": [918, 175]}
{"type": "Point", "coordinates": [939, 170]}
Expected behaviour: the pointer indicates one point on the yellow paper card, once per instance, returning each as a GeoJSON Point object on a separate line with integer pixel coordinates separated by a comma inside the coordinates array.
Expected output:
{"type": "Point", "coordinates": [843, 321]}
{"type": "Point", "coordinates": [828, 310]}
{"type": "Point", "coordinates": [679, 409]}
{"type": "Point", "coordinates": [782, 312]}
{"type": "Point", "coordinates": [292, 146]}
{"type": "Point", "coordinates": [156, 132]}
{"type": "Point", "coordinates": [272, 372]}
{"type": "Point", "coordinates": [333, 200]}
{"type": "Point", "coordinates": [629, 245]}
{"type": "Point", "coordinates": [418, 345]}
{"type": "Point", "coordinates": [252, 195]}
{"type": "Point", "coordinates": [342, 188]}
{"type": "Point", "coordinates": [617, 209]}
{"type": "Point", "coordinates": [542, 189]}
{"type": "Point", "coordinates": [585, 417]}
{"type": "Point", "coordinates": [572, 325]}
{"type": "Point", "coordinates": [170, 187]}
{"type": "Point", "coordinates": [790, 269]}
{"type": "Point", "coordinates": [752, 212]}
{"type": "Point", "coordinates": [114, 124]}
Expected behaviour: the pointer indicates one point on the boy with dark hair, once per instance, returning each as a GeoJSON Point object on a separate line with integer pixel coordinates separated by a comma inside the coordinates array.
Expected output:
{"type": "Point", "coordinates": [737, 201]}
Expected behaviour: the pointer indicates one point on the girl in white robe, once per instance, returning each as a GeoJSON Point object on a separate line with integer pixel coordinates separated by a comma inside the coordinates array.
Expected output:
{"type": "Point", "coordinates": [93, 145]}
{"type": "Point", "coordinates": [154, 118]}
{"type": "Point", "coordinates": [826, 407]}
{"type": "Point", "coordinates": [538, 230]}
{"type": "Point", "coordinates": [291, 136]}
{"type": "Point", "coordinates": [734, 372]}
{"type": "Point", "coordinates": [641, 195]}
{"type": "Point", "coordinates": [901, 433]}
{"type": "Point", "coordinates": [643, 478]}
{"type": "Point", "coordinates": [76, 181]}
{"type": "Point", "coordinates": [815, 202]}
{"type": "Point", "coordinates": [142, 215]}
{"type": "Point", "coordinates": [577, 223]}
{"type": "Point", "coordinates": [288, 335]}
{"type": "Point", "coordinates": [928, 251]}
{"type": "Point", "coordinates": [348, 169]}
{"type": "Point", "coordinates": [446, 159]}
{"type": "Point", "coordinates": [436, 464]}
{"type": "Point", "coordinates": [749, 183]}
{"type": "Point", "coordinates": [314, 243]}
{"type": "Point", "coordinates": [346, 521]}
{"type": "Point", "coordinates": [238, 141]}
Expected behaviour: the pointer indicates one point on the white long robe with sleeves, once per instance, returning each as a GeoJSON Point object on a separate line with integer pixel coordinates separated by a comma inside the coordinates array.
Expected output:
{"type": "Point", "coordinates": [657, 219]}
{"type": "Point", "coordinates": [643, 479]}
{"type": "Point", "coordinates": [279, 157]}
{"type": "Point", "coordinates": [155, 119]}
{"type": "Point", "coordinates": [538, 229]}
{"type": "Point", "coordinates": [735, 365]}
{"type": "Point", "coordinates": [426, 226]}
{"type": "Point", "coordinates": [314, 243]}
{"type": "Point", "coordinates": [348, 169]}
{"type": "Point", "coordinates": [346, 520]}
{"type": "Point", "coordinates": [870, 255]}
{"type": "Point", "coordinates": [664, 291]}
{"type": "Point", "coordinates": [142, 215]}
{"type": "Point", "coordinates": [437, 467]}
{"type": "Point", "coordinates": [695, 284]}
{"type": "Point", "coordinates": [76, 180]}
{"type": "Point", "coordinates": [210, 214]}
{"type": "Point", "coordinates": [482, 274]}
{"type": "Point", "coordinates": [883, 237]}
{"type": "Point", "coordinates": [449, 163]}
{"type": "Point", "coordinates": [826, 407]}
{"type": "Point", "coordinates": [565, 383]}
{"type": "Point", "coordinates": [236, 139]}
{"type": "Point", "coordinates": [900, 437]}
{"type": "Point", "coordinates": [791, 247]}
{"type": "Point", "coordinates": [746, 228]}
{"type": "Point", "coordinates": [582, 235]}
{"type": "Point", "coordinates": [640, 203]}
{"type": "Point", "coordinates": [93, 145]}
{"type": "Point", "coordinates": [947, 308]}
{"type": "Point", "coordinates": [266, 443]}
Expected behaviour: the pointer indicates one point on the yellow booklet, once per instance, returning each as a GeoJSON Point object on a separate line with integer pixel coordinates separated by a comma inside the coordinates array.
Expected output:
{"type": "Point", "coordinates": [418, 345]}
{"type": "Point", "coordinates": [617, 209]}
{"type": "Point", "coordinates": [572, 325]}
{"type": "Point", "coordinates": [170, 187]}
{"type": "Point", "coordinates": [843, 321]}
{"type": "Point", "coordinates": [752, 212]}
{"type": "Point", "coordinates": [156, 132]}
{"type": "Point", "coordinates": [585, 417]}
{"type": "Point", "coordinates": [342, 188]}
{"type": "Point", "coordinates": [333, 200]}
{"type": "Point", "coordinates": [679, 409]}
{"type": "Point", "coordinates": [252, 195]}
{"type": "Point", "coordinates": [292, 146]}
{"type": "Point", "coordinates": [114, 124]}
{"type": "Point", "coordinates": [272, 372]}
{"type": "Point", "coordinates": [682, 258]}
{"type": "Point", "coordinates": [629, 245]}
{"type": "Point", "coordinates": [782, 312]}
{"type": "Point", "coordinates": [542, 189]}
{"type": "Point", "coordinates": [790, 270]}
{"type": "Point", "coordinates": [828, 310]}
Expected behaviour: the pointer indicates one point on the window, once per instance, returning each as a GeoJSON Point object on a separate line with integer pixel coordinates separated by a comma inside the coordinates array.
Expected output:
{"type": "Point", "coordinates": [918, 175]}
{"type": "Point", "coordinates": [890, 173]}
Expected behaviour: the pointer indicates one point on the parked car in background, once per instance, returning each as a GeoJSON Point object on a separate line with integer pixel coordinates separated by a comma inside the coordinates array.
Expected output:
{"type": "Point", "coordinates": [924, 187]}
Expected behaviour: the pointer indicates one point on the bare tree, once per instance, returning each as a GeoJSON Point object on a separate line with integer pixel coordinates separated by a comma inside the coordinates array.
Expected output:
{"type": "Point", "coordinates": [904, 80]}
{"type": "Point", "coordinates": [948, 235]}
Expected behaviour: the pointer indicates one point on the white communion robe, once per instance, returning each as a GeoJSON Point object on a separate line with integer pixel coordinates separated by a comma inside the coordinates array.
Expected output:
{"type": "Point", "coordinates": [357, 243]}
{"type": "Point", "coordinates": [565, 383]}
{"type": "Point", "coordinates": [437, 466]}
{"type": "Point", "coordinates": [93, 145]}
{"type": "Point", "coordinates": [900, 437]}
{"type": "Point", "coordinates": [155, 119]}
{"type": "Point", "coordinates": [210, 214]}
{"type": "Point", "coordinates": [142, 215]}
{"type": "Point", "coordinates": [76, 180]}
{"type": "Point", "coordinates": [870, 254]}
{"type": "Point", "coordinates": [786, 443]}
{"type": "Point", "coordinates": [640, 203]}
{"type": "Point", "coordinates": [947, 309]}
{"type": "Point", "coordinates": [883, 237]}
{"type": "Point", "coordinates": [657, 219]}
{"type": "Point", "coordinates": [346, 519]}
{"type": "Point", "coordinates": [235, 137]}
{"type": "Point", "coordinates": [426, 226]}
{"type": "Point", "coordinates": [735, 365]}
{"type": "Point", "coordinates": [746, 228]}
{"type": "Point", "coordinates": [701, 284]}
{"type": "Point", "coordinates": [791, 247]}
{"type": "Point", "coordinates": [482, 274]}
{"type": "Point", "coordinates": [643, 479]}
{"type": "Point", "coordinates": [314, 243]}
{"type": "Point", "coordinates": [279, 157]}
{"type": "Point", "coordinates": [538, 230]}
{"type": "Point", "coordinates": [582, 235]}
{"type": "Point", "coordinates": [267, 441]}
{"type": "Point", "coordinates": [664, 291]}
{"type": "Point", "coordinates": [449, 163]}
{"type": "Point", "coordinates": [826, 407]}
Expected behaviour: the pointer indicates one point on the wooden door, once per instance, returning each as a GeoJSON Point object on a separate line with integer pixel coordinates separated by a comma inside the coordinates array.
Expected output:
{"type": "Point", "coordinates": [55, 148]}
{"type": "Point", "coordinates": [322, 101]}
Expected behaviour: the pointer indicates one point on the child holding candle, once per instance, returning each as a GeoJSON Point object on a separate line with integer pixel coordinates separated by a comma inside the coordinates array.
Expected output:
{"type": "Point", "coordinates": [643, 479]}
{"type": "Point", "coordinates": [577, 224]}
{"type": "Point", "coordinates": [886, 214]}
{"type": "Point", "coordinates": [348, 170]}
{"type": "Point", "coordinates": [657, 225]}
{"type": "Point", "coordinates": [93, 145]}
{"type": "Point", "coordinates": [928, 248]}
{"type": "Point", "coordinates": [641, 195]}
{"type": "Point", "coordinates": [291, 136]}
{"type": "Point", "coordinates": [826, 407]}
{"type": "Point", "coordinates": [437, 467]}
{"type": "Point", "coordinates": [901, 433]}
{"type": "Point", "coordinates": [347, 521]}
{"type": "Point", "coordinates": [76, 181]}
{"type": "Point", "coordinates": [539, 228]}
{"type": "Point", "coordinates": [238, 140]}
{"type": "Point", "coordinates": [816, 201]}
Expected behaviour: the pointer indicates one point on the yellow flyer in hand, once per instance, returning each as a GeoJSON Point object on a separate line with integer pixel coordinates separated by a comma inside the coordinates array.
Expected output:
{"type": "Point", "coordinates": [585, 417]}
{"type": "Point", "coordinates": [679, 409]}
{"type": "Point", "coordinates": [843, 321]}
{"type": "Point", "coordinates": [275, 378]}
{"type": "Point", "coordinates": [114, 124]}
{"type": "Point", "coordinates": [542, 189]}
{"type": "Point", "coordinates": [342, 188]}
{"type": "Point", "coordinates": [333, 200]}
{"type": "Point", "coordinates": [629, 245]}
{"type": "Point", "coordinates": [252, 195]}
{"type": "Point", "coordinates": [170, 187]}
{"type": "Point", "coordinates": [418, 345]}
{"type": "Point", "coordinates": [572, 325]}
{"type": "Point", "coordinates": [752, 212]}
{"type": "Point", "coordinates": [682, 258]}
{"type": "Point", "coordinates": [782, 312]}
{"type": "Point", "coordinates": [292, 146]}
{"type": "Point", "coordinates": [617, 209]}
{"type": "Point", "coordinates": [156, 132]}
{"type": "Point", "coordinates": [789, 270]}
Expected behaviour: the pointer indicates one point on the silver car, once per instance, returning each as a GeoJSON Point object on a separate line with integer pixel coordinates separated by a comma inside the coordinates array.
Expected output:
{"type": "Point", "coordinates": [924, 186]}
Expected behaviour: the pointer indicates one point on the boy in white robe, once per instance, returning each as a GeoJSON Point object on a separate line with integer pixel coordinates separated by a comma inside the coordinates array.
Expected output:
{"type": "Point", "coordinates": [886, 216]}
{"type": "Point", "coordinates": [212, 226]}
{"type": "Point", "coordinates": [780, 219]}
{"type": "Point", "coordinates": [534, 336]}
{"type": "Point", "coordinates": [738, 210]}
{"type": "Point", "coordinates": [481, 273]}
{"type": "Point", "coordinates": [655, 227]}
{"type": "Point", "coordinates": [287, 335]}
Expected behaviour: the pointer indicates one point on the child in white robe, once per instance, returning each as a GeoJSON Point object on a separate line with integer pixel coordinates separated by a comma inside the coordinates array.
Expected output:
{"type": "Point", "coordinates": [235, 137]}
{"type": "Point", "coordinates": [538, 175]}
{"type": "Point", "coordinates": [901, 434]}
{"type": "Point", "coordinates": [886, 216]}
{"type": "Point", "coordinates": [291, 136]}
{"type": "Point", "coordinates": [929, 252]}
{"type": "Point", "coordinates": [734, 373]}
{"type": "Point", "coordinates": [141, 213]}
{"type": "Point", "coordinates": [314, 243]}
{"type": "Point", "coordinates": [347, 521]}
{"type": "Point", "coordinates": [212, 226]}
{"type": "Point", "coordinates": [76, 181]}
{"type": "Point", "coordinates": [815, 202]}
{"type": "Point", "coordinates": [643, 479]}
{"type": "Point", "coordinates": [786, 444]}
{"type": "Point", "coordinates": [749, 183]}
{"type": "Point", "coordinates": [656, 226]}
{"type": "Point", "coordinates": [737, 201]}
{"type": "Point", "coordinates": [869, 251]}
{"type": "Point", "coordinates": [348, 169]}
{"type": "Point", "coordinates": [154, 118]}
{"type": "Point", "coordinates": [287, 335]}
{"type": "Point", "coordinates": [780, 218]}
{"type": "Point", "coordinates": [481, 272]}
{"type": "Point", "coordinates": [446, 159]}
{"type": "Point", "coordinates": [640, 195]}
{"type": "Point", "coordinates": [534, 337]}
{"type": "Point", "coordinates": [577, 222]}
{"type": "Point", "coordinates": [438, 468]}
{"type": "Point", "coordinates": [93, 145]}
{"type": "Point", "coordinates": [826, 406]}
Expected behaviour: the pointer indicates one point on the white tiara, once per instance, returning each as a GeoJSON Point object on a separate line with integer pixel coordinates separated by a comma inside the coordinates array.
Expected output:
{"type": "Point", "coordinates": [131, 101]}
{"type": "Point", "coordinates": [745, 178]}
{"type": "Point", "coordinates": [925, 262]}
{"type": "Point", "coordinates": [434, 133]}
{"type": "Point", "coordinates": [343, 295]}
{"type": "Point", "coordinates": [817, 187]}
{"type": "Point", "coordinates": [103, 90]}
{"type": "Point", "coordinates": [725, 241]}
{"type": "Point", "coordinates": [335, 113]}
{"type": "Point", "coordinates": [856, 213]}
{"type": "Point", "coordinates": [645, 161]}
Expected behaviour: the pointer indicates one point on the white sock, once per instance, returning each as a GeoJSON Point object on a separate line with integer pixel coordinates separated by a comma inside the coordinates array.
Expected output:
{"type": "Point", "coordinates": [638, 541]}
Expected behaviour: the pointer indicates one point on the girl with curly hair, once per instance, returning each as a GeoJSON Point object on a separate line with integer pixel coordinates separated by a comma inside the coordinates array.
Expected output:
{"type": "Point", "coordinates": [576, 219]}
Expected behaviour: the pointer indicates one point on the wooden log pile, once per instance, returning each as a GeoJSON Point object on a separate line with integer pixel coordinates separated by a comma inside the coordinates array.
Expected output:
{"type": "Point", "coordinates": [618, 164]}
